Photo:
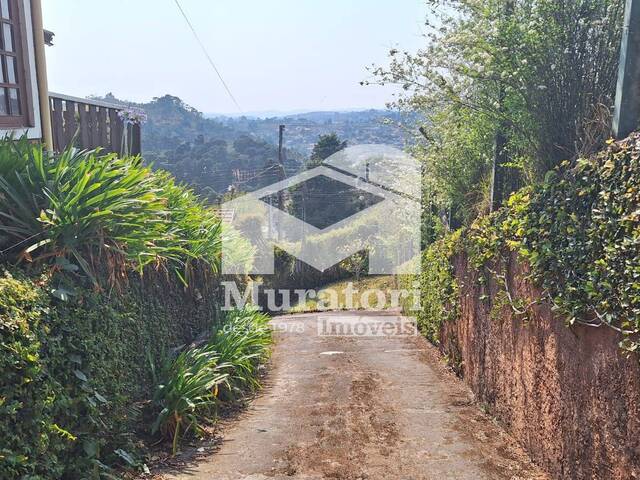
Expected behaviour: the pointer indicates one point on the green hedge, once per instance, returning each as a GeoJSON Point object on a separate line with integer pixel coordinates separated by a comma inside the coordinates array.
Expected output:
{"type": "Point", "coordinates": [580, 233]}
{"type": "Point", "coordinates": [76, 375]}
{"type": "Point", "coordinates": [117, 266]}
{"type": "Point", "coordinates": [438, 287]}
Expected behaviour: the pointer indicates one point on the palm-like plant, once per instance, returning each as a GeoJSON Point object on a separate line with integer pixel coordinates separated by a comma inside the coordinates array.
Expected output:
{"type": "Point", "coordinates": [195, 228]}
{"type": "Point", "coordinates": [186, 391]}
{"type": "Point", "coordinates": [80, 205]}
{"type": "Point", "coordinates": [190, 386]}
{"type": "Point", "coordinates": [241, 344]}
{"type": "Point", "coordinates": [100, 212]}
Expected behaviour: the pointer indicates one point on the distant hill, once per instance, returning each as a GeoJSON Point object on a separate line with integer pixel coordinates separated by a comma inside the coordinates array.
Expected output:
{"type": "Point", "coordinates": [303, 129]}
{"type": "Point", "coordinates": [204, 152]}
{"type": "Point", "coordinates": [213, 154]}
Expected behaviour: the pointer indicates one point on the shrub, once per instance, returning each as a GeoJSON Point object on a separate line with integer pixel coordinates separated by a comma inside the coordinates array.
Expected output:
{"type": "Point", "coordinates": [74, 378]}
{"type": "Point", "coordinates": [191, 385]}
{"type": "Point", "coordinates": [82, 207]}
{"type": "Point", "coordinates": [100, 215]}
{"type": "Point", "coordinates": [186, 391]}
{"type": "Point", "coordinates": [438, 287]}
{"type": "Point", "coordinates": [579, 231]}
{"type": "Point", "coordinates": [241, 342]}
{"type": "Point", "coordinates": [29, 442]}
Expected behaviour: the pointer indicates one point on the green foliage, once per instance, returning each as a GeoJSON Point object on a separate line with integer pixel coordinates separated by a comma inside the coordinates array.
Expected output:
{"type": "Point", "coordinates": [541, 73]}
{"type": "Point", "coordinates": [326, 146]}
{"type": "Point", "coordinates": [195, 231]}
{"type": "Point", "coordinates": [438, 286]}
{"type": "Point", "coordinates": [580, 232]}
{"type": "Point", "coordinates": [100, 215]}
{"type": "Point", "coordinates": [186, 390]}
{"type": "Point", "coordinates": [74, 376]}
{"type": "Point", "coordinates": [30, 443]}
{"type": "Point", "coordinates": [78, 205]}
{"type": "Point", "coordinates": [241, 341]}
{"type": "Point", "coordinates": [190, 386]}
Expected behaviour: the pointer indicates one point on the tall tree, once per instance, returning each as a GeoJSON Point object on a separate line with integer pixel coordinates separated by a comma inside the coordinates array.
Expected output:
{"type": "Point", "coordinates": [541, 80]}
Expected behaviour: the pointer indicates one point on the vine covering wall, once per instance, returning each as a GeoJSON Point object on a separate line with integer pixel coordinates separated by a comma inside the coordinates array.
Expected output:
{"type": "Point", "coordinates": [76, 374]}
{"type": "Point", "coordinates": [579, 231]}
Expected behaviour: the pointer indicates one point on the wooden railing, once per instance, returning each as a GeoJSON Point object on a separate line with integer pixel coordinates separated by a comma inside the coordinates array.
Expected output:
{"type": "Point", "coordinates": [90, 124]}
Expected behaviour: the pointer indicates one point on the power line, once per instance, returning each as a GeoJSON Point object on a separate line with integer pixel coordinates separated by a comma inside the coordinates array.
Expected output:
{"type": "Point", "coordinates": [206, 53]}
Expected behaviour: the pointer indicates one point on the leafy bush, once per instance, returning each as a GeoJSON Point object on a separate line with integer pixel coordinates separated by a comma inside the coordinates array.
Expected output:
{"type": "Point", "coordinates": [438, 287]}
{"type": "Point", "coordinates": [100, 214]}
{"type": "Point", "coordinates": [579, 231]}
{"type": "Point", "coordinates": [191, 385]}
{"type": "Point", "coordinates": [80, 206]}
{"type": "Point", "coordinates": [29, 442]}
{"type": "Point", "coordinates": [241, 342]}
{"type": "Point", "coordinates": [529, 80]}
{"type": "Point", "coordinates": [187, 390]}
{"type": "Point", "coordinates": [74, 379]}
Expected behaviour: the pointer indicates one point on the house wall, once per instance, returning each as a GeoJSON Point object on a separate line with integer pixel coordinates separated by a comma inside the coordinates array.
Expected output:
{"type": "Point", "coordinates": [34, 132]}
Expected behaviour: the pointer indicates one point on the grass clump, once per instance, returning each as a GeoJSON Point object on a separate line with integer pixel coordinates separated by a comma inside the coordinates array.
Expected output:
{"type": "Point", "coordinates": [193, 384]}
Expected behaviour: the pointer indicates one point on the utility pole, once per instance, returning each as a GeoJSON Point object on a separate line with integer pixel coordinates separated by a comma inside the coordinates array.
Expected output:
{"type": "Point", "coordinates": [627, 112]}
{"type": "Point", "coordinates": [281, 173]}
{"type": "Point", "coordinates": [281, 153]}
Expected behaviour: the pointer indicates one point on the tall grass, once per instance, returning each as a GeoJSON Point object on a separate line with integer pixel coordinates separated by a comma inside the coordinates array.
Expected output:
{"type": "Point", "coordinates": [100, 215]}
{"type": "Point", "coordinates": [192, 384]}
{"type": "Point", "coordinates": [241, 344]}
{"type": "Point", "coordinates": [186, 391]}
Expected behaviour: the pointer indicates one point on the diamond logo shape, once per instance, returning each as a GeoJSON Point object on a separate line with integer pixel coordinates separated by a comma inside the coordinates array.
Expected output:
{"type": "Point", "coordinates": [322, 201]}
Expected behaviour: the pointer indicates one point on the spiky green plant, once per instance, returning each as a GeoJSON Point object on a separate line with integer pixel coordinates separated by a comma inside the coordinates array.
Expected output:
{"type": "Point", "coordinates": [241, 343]}
{"type": "Point", "coordinates": [191, 385]}
{"type": "Point", "coordinates": [80, 205]}
{"type": "Point", "coordinates": [100, 214]}
{"type": "Point", "coordinates": [186, 392]}
{"type": "Point", "coordinates": [193, 227]}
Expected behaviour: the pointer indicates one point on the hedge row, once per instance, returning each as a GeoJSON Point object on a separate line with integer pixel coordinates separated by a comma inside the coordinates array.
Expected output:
{"type": "Point", "coordinates": [76, 375]}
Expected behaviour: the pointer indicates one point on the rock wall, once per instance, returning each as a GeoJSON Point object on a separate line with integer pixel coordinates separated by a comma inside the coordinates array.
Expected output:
{"type": "Point", "coordinates": [569, 395]}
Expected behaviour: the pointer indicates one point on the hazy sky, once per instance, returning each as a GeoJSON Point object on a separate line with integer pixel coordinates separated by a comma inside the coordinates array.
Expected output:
{"type": "Point", "coordinates": [278, 55]}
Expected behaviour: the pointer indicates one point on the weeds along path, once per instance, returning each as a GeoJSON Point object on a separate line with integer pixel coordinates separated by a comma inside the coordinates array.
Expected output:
{"type": "Point", "coordinates": [360, 407]}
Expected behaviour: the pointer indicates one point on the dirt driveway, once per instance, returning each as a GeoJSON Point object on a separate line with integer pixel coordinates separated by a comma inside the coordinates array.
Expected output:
{"type": "Point", "coordinates": [360, 406]}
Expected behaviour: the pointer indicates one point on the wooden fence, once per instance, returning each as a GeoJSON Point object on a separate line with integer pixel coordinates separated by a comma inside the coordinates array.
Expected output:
{"type": "Point", "coordinates": [92, 124]}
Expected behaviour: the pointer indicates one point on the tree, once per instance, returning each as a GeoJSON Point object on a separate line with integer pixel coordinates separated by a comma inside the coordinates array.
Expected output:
{"type": "Point", "coordinates": [543, 76]}
{"type": "Point", "coordinates": [326, 146]}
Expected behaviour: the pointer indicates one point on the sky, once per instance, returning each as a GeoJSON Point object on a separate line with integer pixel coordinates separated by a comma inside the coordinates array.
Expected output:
{"type": "Point", "coordinates": [275, 55]}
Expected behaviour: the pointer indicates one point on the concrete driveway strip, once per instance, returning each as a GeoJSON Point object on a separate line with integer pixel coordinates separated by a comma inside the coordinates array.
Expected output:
{"type": "Point", "coordinates": [358, 395]}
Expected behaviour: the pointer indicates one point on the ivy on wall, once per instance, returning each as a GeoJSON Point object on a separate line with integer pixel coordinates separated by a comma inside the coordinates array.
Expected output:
{"type": "Point", "coordinates": [76, 375]}
{"type": "Point", "coordinates": [579, 231]}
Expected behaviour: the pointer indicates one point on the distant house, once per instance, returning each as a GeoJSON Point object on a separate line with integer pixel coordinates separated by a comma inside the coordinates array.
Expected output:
{"type": "Point", "coordinates": [26, 105]}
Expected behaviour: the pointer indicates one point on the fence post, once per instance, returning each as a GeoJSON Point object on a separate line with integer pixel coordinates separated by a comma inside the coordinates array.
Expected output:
{"type": "Point", "coordinates": [136, 139]}
{"type": "Point", "coordinates": [627, 111]}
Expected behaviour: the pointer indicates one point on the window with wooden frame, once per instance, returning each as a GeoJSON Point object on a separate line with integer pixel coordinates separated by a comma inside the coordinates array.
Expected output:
{"type": "Point", "coordinates": [16, 109]}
